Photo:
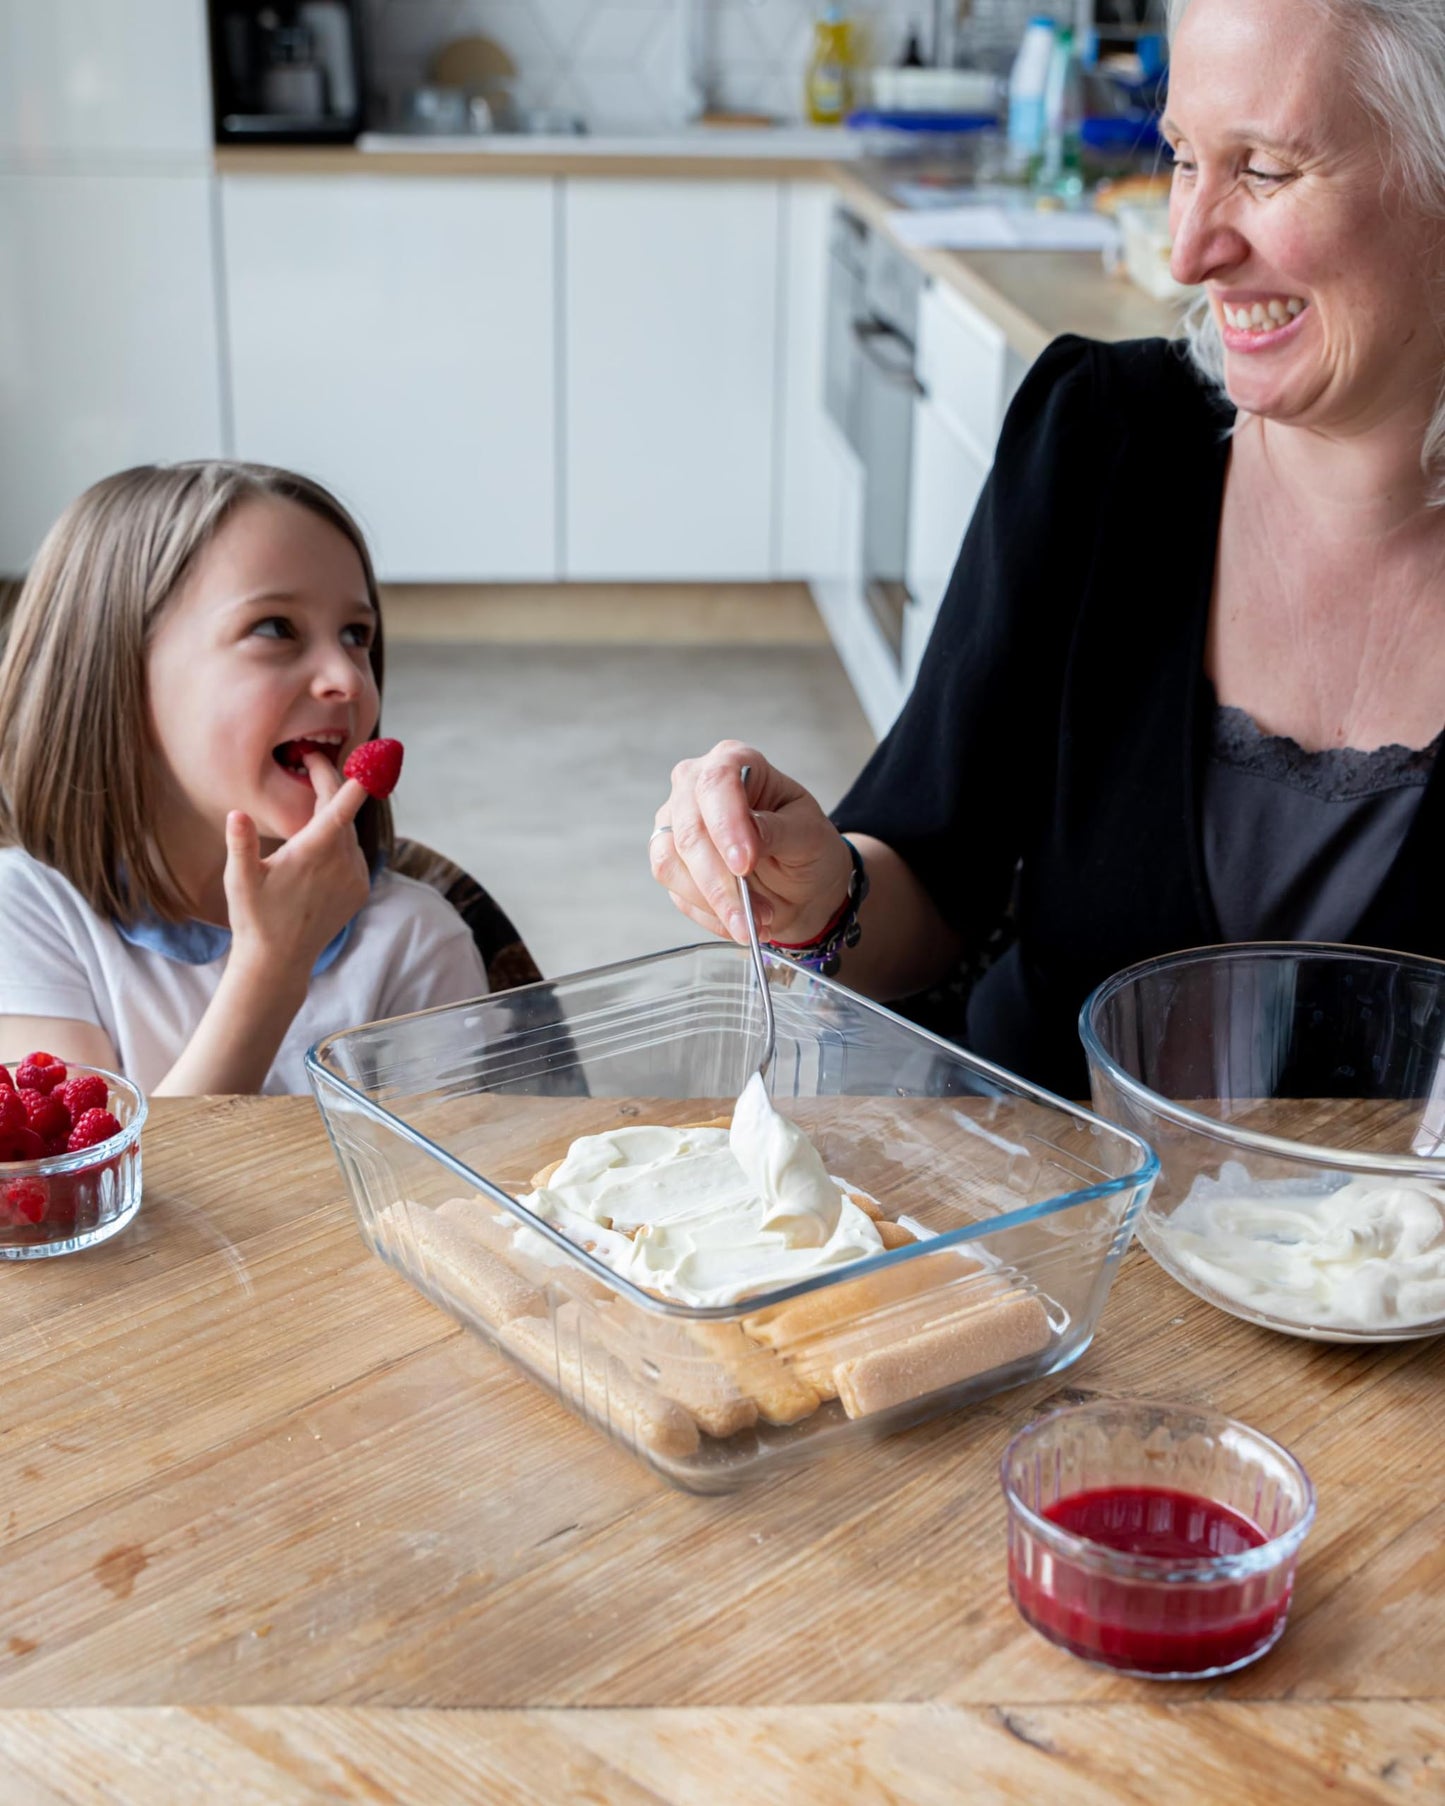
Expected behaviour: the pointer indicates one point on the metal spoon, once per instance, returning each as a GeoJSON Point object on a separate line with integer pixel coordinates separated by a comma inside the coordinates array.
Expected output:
{"type": "Point", "coordinates": [760, 971]}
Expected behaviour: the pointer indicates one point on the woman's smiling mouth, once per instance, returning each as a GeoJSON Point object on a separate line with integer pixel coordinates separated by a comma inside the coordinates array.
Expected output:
{"type": "Point", "coordinates": [1263, 316]}
{"type": "Point", "coordinates": [1253, 322]}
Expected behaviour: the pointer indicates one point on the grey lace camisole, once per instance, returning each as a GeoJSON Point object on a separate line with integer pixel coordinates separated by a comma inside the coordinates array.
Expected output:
{"type": "Point", "coordinates": [1296, 843]}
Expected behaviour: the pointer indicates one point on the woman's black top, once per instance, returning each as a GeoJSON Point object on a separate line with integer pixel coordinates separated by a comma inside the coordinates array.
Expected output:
{"type": "Point", "coordinates": [1296, 841]}
{"type": "Point", "coordinates": [1055, 747]}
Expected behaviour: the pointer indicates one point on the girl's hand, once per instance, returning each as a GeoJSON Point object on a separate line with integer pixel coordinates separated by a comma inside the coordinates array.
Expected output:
{"type": "Point", "coordinates": [796, 861]}
{"type": "Point", "coordinates": [286, 908]}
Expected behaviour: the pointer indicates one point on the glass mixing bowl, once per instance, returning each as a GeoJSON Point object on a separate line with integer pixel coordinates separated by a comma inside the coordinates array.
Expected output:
{"type": "Point", "coordinates": [1295, 1095]}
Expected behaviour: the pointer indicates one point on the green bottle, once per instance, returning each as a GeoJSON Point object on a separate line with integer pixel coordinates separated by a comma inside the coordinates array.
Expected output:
{"type": "Point", "coordinates": [1059, 170]}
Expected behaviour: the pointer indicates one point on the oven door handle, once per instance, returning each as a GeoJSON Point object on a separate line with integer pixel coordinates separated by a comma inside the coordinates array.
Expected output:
{"type": "Point", "coordinates": [868, 336]}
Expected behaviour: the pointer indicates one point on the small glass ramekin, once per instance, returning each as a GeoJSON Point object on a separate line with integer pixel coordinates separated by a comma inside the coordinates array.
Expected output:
{"type": "Point", "coordinates": [1125, 1468]}
{"type": "Point", "coordinates": [63, 1203]}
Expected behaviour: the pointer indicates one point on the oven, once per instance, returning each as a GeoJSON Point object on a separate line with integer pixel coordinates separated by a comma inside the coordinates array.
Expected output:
{"type": "Point", "coordinates": [870, 389]}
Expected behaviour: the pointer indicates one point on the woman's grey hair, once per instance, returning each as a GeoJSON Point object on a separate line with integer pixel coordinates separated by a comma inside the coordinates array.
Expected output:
{"type": "Point", "coordinates": [1397, 63]}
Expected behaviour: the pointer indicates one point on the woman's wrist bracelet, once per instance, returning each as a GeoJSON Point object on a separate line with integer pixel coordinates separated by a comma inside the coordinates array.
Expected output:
{"type": "Point", "coordinates": [825, 952]}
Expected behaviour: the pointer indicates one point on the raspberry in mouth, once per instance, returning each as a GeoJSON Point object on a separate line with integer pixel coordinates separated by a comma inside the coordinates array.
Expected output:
{"type": "Point", "coordinates": [290, 754]}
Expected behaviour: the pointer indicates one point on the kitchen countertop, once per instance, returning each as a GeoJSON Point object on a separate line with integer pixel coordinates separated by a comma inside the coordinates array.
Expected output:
{"type": "Point", "coordinates": [325, 1543]}
{"type": "Point", "coordinates": [1031, 296]}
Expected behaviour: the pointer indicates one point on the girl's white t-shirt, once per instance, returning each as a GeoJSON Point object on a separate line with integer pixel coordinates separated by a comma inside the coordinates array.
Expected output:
{"type": "Point", "coordinates": [408, 949]}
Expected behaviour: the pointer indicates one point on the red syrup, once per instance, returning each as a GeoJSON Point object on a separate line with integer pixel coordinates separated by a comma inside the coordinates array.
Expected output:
{"type": "Point", "coordinates": [1158, 1627]}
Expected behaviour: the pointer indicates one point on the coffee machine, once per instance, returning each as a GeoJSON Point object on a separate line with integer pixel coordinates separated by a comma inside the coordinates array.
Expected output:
{"type": "Point", "coordinates": [287, 71]}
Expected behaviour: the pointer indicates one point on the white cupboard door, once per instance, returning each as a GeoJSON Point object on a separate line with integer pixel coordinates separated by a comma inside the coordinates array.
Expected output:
{"type": "Point", "coordinates": [671, 333]}
{"type": "Point", "coordinates": [948, 475]}
{"type": "Point", "coordinates": [108, 352]}
{"type": "Point", "coordinates": [965, 364]}
{"type": "Point", "coordinates": [808, 498]}
{"type": "Point", "coordinates": [395, 337]}
{"type": "Point", "coordinates": [83, 81]}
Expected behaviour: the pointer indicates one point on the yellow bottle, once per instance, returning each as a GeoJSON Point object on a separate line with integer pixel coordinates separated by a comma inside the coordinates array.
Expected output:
{"type": "Point", "coordinates": [829, 92]}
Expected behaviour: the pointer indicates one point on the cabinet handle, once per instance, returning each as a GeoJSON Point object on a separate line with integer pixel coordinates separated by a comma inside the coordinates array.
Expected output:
{"type": "Point", "coordinates": [867, 335]}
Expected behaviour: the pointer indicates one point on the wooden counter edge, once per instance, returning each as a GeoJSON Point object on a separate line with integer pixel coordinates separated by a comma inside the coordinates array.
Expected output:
{"type": "Point", "coordinates": [307, 160]}
{"type": "Point", "coordinates": [1296, 1751]}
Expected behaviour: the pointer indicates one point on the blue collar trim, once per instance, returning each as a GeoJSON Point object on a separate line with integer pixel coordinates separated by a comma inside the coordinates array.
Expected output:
{"type": "Point", "coordinates": [201, 943]}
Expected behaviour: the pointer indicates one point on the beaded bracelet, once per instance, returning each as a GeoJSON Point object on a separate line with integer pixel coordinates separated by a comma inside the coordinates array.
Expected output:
{"type": "Point", "coordinates": [825, 952]}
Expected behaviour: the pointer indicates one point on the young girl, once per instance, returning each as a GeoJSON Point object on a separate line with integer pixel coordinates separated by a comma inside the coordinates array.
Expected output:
{"type": "Point", "coordinates": [189, 890]}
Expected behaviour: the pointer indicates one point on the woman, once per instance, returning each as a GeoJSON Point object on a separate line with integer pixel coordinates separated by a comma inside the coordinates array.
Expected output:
{"type": "Point", "coordinates": [1188, 681]}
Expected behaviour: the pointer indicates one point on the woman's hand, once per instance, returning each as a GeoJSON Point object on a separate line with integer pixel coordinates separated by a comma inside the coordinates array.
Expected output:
{"type": "Point", "coordinates": [284, 909]}
{"type": "Point", "coordinates": [795, 860]}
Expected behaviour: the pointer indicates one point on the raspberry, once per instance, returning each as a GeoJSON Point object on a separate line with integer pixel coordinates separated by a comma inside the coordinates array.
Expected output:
{"type": "Point", "coordinates": [48, 1115]}
{"type": "Point", "coordinates": [13, 1114]}
{"type": "Point", "coordinates": [20, 1144]}
{"type": "Point", "coordinates": [87, 1092]}
{"type": "Point", "coordinates": [6, 1082]}
{"type": "Point", "coordinates": [41, 1072]}
{"type": "Point", "coordinates": [22, 1201]}
{"type": "Point", "coordinates": [93, 1127]}
{"type": "Point", "coordinates": [57, 1144]}
{"type": "Point", "coordinates": [376, 765]}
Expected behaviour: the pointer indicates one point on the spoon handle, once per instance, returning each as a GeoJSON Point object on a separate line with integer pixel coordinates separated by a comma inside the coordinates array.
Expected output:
{"type": "Point", "coordinates": [759, 969]}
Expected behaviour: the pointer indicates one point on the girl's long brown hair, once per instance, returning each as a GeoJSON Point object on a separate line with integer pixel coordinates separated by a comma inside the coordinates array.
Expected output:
{"type": "Point", "coordinates": [78, 767]}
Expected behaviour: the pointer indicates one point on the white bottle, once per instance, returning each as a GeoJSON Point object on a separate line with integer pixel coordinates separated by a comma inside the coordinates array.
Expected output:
{"type": "Point", "coordinates": [330, 29]}
{"type": "Point", "coordinates": [1027, 83]}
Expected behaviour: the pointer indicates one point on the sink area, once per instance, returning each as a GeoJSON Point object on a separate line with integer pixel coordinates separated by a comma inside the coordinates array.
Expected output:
{"type": "Point", "coordinates": [801, 141]}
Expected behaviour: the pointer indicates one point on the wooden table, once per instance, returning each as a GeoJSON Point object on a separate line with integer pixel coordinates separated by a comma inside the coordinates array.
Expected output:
{"type": "Point", "coordinates": [267, 1513]}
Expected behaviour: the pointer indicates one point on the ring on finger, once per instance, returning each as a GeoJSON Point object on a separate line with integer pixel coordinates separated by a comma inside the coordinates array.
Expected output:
{"type": "Point", "coordinates": [663, 828]}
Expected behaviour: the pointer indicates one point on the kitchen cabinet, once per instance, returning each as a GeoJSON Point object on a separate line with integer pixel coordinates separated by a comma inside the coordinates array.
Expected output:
{"type": "Point", "coordinates": [809, 480]}
{"type": "Point", "coordinates": [967, 373]}
{"type": "Point", "coordinates": [394, 336]}
{"type": "Point", "coordinates": [108, 337]}
{"type": "Point", "coordinates": [114, 79]}
{"type": "Point", "coordinates": [670, 334]}
{"type": "Point", "coordinates": [837, 585]}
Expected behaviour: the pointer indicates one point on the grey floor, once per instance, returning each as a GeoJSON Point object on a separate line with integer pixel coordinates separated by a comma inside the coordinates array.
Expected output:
{"type": "Point", "coordinates": [539, 768]}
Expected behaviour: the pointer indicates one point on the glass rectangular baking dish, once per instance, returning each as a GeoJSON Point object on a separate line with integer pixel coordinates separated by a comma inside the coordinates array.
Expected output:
{"type": "Point", "coordinates": [1023, 1204]}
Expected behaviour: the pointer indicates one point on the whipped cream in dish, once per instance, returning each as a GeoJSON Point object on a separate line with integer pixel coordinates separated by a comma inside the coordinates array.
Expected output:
{"type": "Point", "coordinates": [1366, 1256]}
{"type": "Point", "coordinates": [706, 1216]}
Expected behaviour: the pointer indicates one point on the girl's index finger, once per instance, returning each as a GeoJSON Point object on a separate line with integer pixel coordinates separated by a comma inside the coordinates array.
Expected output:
{"type": "Point", "coordinates": [325, 780]}
{"type": "Point", "coordinates": [347, 803]}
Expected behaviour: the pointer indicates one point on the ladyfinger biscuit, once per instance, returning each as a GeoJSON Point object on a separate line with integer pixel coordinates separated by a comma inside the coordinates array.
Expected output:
{"type": "Point", "coordinates": [563, 1352]}
{"type": "Point", "coordinates": [894, 1235]}
{"type": "Point", "coordinates": [781, 1396]}
{"type": "Point", "coordinates": [841, 1304]}
{"type": "Point", "coordinates": [976, 1341]}
{"type": "Point", "coordinates": [455, 1257]}
{"type": "Point", "coordinates": [505, 1237]}
{"type": "Point", "coordinates": [818, 1357]}
{"type": "Point", "coordinates": [677, 1368]}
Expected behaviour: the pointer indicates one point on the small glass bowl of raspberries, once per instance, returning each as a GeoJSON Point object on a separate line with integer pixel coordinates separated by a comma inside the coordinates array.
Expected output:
{"type": "Point", "coordinates": [69, 1156]}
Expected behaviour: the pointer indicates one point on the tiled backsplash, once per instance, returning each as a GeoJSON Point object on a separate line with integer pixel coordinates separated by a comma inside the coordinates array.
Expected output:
{"type": "Point", "coordinates": [619, 64]}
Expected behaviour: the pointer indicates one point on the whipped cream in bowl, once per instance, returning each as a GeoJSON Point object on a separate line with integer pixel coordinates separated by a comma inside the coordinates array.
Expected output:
{"type": "Point", "coordinates": [1362, 1256]}
{"type": "Point", "coordinates": [707, 1215]}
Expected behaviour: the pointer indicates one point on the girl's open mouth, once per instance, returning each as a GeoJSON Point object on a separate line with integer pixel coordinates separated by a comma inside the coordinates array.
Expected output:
{"type": "Point", "coordinates": [290, 754]}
